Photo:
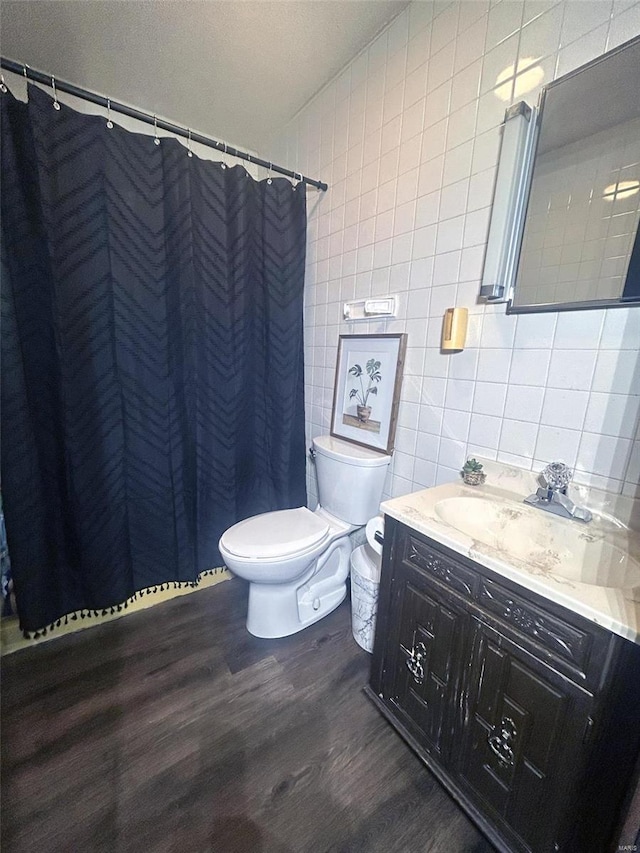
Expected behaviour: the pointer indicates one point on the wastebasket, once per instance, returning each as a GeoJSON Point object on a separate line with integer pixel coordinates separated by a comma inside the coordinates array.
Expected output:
{"type": "Point", "coordinates": [365, 585]}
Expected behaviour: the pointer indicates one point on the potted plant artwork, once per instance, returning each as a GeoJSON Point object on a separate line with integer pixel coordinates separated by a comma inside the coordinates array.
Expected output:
{"type": "Point", "coordinates": [362, 394]}
{"type": "Point", "coordinates": [368, 365]}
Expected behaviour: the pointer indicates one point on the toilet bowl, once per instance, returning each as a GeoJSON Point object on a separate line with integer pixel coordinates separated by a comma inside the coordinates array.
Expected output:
{"type": "Point", "coordinates": [297, 561]}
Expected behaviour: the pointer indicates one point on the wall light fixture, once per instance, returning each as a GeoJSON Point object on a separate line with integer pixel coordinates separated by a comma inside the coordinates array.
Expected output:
{"type": "Point", "coordinates": [509, 202]}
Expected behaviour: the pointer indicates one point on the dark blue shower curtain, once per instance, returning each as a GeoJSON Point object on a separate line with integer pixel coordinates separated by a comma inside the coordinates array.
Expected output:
{"type": "Point", "coordinates": [152, 357]}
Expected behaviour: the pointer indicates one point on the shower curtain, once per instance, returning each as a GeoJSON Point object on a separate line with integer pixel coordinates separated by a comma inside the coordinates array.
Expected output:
{"type": "Point", "coordinates": [152, 357]}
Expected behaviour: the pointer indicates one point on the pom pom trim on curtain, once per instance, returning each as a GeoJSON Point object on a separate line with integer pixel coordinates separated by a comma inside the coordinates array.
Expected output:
{"type": "Point", "coordinates": [80, 615]}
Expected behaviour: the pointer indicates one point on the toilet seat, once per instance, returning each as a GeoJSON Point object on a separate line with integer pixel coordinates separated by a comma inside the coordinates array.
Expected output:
{"type": "Point", "coordinates": [275, 534]}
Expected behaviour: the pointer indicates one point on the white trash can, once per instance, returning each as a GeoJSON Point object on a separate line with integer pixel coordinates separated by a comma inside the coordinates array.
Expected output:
{"type": "Point", "coordinates": [365, 585]}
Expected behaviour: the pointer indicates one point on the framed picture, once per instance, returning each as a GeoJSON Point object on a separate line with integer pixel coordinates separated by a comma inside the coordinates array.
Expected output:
{"type": "Point", "coordinates": [366, 392]}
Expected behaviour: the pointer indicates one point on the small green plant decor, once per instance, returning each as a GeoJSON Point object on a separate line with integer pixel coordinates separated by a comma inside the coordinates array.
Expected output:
{"type": "Point", "coordinates": [362, 394]}
{"type": "Point", "coordinates": [472, 472]}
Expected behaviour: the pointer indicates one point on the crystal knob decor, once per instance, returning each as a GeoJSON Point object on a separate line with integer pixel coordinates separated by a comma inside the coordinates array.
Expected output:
{"type": "Point", "coordinates": [557, 475]}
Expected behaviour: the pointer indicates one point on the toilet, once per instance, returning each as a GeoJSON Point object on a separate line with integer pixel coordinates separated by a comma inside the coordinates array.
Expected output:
{"type": "Point", "coordinates": [297, 561]}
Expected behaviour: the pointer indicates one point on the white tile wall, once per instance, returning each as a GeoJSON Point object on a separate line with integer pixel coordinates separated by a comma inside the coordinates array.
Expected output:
{"type": "Point", "coordinates": [407, 137]}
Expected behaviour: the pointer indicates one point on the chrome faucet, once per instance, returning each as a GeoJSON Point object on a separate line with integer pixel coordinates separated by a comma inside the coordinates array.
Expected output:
{"type": "Point", "coordinates": [552, 496]}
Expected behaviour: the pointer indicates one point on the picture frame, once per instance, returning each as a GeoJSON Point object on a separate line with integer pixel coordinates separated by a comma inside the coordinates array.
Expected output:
{"type": "Point", "coordinates": [366, 391]}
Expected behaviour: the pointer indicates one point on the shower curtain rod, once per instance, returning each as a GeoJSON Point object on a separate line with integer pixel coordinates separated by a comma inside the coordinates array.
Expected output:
{"type": "Point", "coordinates": [147, 118]}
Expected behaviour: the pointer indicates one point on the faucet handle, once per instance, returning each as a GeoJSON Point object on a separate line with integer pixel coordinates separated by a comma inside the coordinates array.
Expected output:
{"type": "Point", "coordinates": [557, 476]}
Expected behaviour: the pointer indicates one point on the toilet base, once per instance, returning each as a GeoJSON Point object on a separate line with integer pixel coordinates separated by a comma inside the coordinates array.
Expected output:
{"type": "Point", "coordinates": [279, 610]}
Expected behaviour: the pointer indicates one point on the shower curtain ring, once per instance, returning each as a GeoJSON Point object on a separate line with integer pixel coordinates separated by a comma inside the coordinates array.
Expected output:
{"type": "Point", "coordinates": [56, 105]}
{"type": "Point", "coordinates": [269, 181]}
{"type": "Point", "coordinates": [24, 71]}
{"type": "Point", "coordinates": [189, 151]}
{"type": "Point", "coordinates": [109, 122]}
{"type": "Point", "coordinates": [223, 165]}
{"type": "Point", "coordinates": [3, 85]}
{"type": "Point", "coordinates": [156, 140]}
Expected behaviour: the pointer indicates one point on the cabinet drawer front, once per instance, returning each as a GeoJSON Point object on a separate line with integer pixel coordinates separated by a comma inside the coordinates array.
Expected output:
{"type": "Point", "coordinates": [438, 566]}
{"type": "Point", "coordinates": [575, 646]}
{"type": "Point", "coordinates": [565, 642]}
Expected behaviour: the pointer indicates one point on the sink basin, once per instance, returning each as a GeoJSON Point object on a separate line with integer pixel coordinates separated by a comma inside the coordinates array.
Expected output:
{"type": "Point", "coordinates": [546, 544]}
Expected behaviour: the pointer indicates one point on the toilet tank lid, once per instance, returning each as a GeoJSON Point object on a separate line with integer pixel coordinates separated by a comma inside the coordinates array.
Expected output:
{"type": "Point", "coordinates": [275, 534]}
{"type": "Point", "coordinates": [352, 454]}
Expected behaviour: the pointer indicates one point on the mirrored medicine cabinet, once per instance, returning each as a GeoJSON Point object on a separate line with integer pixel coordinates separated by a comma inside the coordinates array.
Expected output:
{"type": "Point", "coordinates": [572, 204]}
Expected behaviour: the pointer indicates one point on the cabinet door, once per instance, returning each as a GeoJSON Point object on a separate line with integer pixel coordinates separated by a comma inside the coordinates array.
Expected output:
{"type": "Point", "coordinates": [422, 659]}
{"type": "Point", "coordinates": [522, 745]}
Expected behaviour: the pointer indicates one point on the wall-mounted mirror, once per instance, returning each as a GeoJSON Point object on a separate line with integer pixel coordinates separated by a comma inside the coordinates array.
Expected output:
{"type": "Point", "coordinates": [581, 244]}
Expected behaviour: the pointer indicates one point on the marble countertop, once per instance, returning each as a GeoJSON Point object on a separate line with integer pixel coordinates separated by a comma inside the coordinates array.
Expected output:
{"type": "Point", "coordinates": [545, 553]}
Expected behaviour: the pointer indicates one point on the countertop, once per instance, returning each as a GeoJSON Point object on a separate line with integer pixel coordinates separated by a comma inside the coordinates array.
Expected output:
{"type": "Point", "coordinates": [616, 523]}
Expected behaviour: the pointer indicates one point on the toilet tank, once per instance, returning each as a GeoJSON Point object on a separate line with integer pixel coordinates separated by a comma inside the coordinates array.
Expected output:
{"type": "Point", "coordinates": [350, 478]}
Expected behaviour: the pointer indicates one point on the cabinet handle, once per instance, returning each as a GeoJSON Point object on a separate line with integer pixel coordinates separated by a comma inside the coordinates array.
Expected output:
{"type": "Point", "coordinates": [414, 663]}
{"type": "Point", "coordinates": [500, 740]}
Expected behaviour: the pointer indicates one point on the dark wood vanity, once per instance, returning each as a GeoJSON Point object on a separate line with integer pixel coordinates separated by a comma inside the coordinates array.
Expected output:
{"type": "Point", "coordinates": [528, 713]}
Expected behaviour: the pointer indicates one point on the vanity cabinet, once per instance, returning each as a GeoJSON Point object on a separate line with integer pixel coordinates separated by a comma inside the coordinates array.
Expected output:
{"type": "Point", "coordinates": [528, 713]}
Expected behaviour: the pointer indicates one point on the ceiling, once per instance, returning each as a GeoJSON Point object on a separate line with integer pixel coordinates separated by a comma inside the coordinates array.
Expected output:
{"type": "Point", "coordinates": [232, 69]}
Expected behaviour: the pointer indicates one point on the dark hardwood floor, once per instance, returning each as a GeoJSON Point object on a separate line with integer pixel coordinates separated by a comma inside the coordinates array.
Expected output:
{"type": "Point", "coordinates": [175, 730]}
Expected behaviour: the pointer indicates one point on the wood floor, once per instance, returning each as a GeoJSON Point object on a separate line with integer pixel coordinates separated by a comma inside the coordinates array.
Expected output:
{"type": "Point", "coordinates": [175, 730]}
